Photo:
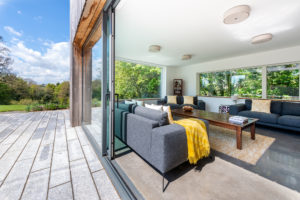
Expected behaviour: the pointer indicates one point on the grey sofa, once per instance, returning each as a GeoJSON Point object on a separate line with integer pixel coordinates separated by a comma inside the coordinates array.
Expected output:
{"type": "Point", "coordinates": [198, 104]}
{"type": "Point", "coordinates": [284, 115]}
{"type": "Point", "coordinates": [148, 133]}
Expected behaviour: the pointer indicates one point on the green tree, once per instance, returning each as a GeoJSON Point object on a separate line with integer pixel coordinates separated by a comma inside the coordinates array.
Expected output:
{"type": "Point", "coordinates": [49, 93]}
{"type": "Point", "coordinates": [137, 81]}
{"type": "Point", "coordinates": [5, 94]}
{"type": "Point", "coordinates": [62, 92]}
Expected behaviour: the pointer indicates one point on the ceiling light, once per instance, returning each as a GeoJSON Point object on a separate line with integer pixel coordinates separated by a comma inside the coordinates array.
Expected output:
{"type": "Point", "coordinates": [236, 14]}
{"type": "Point", "coordinates": [154, 48]}
{"type": "Point", "coordinates": [261, 38]}
{"type": "Point", "coordinates": [186, 57]}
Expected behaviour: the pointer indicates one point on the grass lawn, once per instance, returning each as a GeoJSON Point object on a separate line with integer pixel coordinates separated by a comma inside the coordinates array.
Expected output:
{"type": "Point", "coordinates": [6, 108]}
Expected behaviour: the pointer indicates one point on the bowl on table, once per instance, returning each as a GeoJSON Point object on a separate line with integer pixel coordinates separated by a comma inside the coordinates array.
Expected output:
{"type": "Point", "coordinates": [188, 108]}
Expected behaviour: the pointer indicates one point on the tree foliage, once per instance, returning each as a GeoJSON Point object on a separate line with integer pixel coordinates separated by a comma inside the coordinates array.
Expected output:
{"type": "Point", "coordinates": [282, 82]}
{"type": "Point", "coordinates": [137, 81]}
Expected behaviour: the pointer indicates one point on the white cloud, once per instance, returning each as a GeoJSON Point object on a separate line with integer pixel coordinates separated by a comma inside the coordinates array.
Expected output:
{"type": "Point", "coordinates": [12, 31]}
{"type": "Point", "coordinates": [49, 67]}
{"type": "Point", "coordinates": [19, 12]}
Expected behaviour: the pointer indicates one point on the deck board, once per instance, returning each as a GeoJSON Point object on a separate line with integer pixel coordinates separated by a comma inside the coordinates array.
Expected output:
{"type": "Point", "coordinates": [43, 157]}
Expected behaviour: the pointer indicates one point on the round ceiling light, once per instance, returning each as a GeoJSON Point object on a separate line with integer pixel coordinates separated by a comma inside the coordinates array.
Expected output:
{"type": "Point", "coordinates": [236, 14]}
{"type": "Point", "coordinates": [154, 48]}
{"type": "Point", "coordinates": [261, 38]}
{"type": "Point", "coordinates": [186, 57]}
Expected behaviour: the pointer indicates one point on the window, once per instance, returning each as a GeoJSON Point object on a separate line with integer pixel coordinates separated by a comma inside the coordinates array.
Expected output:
{"type": "Point", "coordinates": [283, 82]}
{"type": "Point", "coordinates": [215, 84]}
{"type": "Point", "coordinates": [137, 81]}
{"type": "Point", "coordinates": [244, 82]}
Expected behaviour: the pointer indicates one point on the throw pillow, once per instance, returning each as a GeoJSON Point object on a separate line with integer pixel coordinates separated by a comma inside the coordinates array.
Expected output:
{"type": "Point", "coordinates": [261, 106]}
{"type": "Point", "coordinates": [140, 103]}
{"type": "Point", "coordinates": [172, 100]}
{"type": "Point", "coordinates": [167, 109]}
{"type": "Point", "coordinates": [129, 102]}
{"type": "Point", "coordinates": [188, 100]}
{"type": "Point", "coordinates": [154, 107]}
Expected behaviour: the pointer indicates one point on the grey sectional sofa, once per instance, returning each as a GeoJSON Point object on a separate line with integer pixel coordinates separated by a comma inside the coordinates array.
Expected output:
{"type": "Point", "coordinates": [284, 115]}
{"type": "Point", "coordinates": [148, 133]}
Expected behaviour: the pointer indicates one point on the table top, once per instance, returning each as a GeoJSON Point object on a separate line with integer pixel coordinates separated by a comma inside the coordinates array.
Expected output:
{"type": "Point", "coordinates": [211, 116]}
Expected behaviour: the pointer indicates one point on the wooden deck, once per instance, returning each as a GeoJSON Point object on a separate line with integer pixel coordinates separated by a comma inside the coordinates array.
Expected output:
{"type": "Point", "coordinates": [43, 157]}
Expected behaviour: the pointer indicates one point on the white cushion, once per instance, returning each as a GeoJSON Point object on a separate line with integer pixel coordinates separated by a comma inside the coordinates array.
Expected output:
{"type": "Point", "coordinates": [154, 107]}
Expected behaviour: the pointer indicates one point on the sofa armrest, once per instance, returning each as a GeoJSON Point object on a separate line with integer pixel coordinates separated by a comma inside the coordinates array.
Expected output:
{"type": "Point", "coordinates": [139, 134]}
{"type": "Point", "coordinates": [235, 109]}
{"type": "Point", "coordinates": [168, 147]}
{"type": "Point", "coordinates": [201, 105]}
{"type": "Point", "coordinates": [161, 102]}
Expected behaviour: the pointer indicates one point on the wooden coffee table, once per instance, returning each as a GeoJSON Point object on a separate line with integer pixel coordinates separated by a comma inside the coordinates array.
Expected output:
{"type": "Point", "coordinates": [222, 120]}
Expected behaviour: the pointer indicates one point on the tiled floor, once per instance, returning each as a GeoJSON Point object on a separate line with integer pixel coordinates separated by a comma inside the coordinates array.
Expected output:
{"type": "Point", "coordinates": [43, 157]}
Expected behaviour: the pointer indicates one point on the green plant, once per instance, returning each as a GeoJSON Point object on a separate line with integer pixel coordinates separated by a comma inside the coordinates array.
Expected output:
{"type": "Point", "coordinates": [37, 107]}
{"type": "Point", "coordinates": [28, 108]}
{"type": "Point", "coordinates": [51, 106]}
{"type": "Point", "coordinates": [96, 102]}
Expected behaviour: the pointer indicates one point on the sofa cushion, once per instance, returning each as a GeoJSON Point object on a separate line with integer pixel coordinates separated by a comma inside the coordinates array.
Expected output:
{"type": "Point", "coordinates": [290, 108]}
{"type": "Point", "coordinates": [174, 106]}
{"type": "Point", "coordinates": [276, 107]}
{"type": "Point", "coordinates": [259, 105]}
{"type": "Point", "coordinates": [188, 100]}
{"type": "Point", "coordinates": [179, 99]}
{"type": "Point", "coordinates": [125, 107]}
{"type": "Point", "coordinates": [155, 115]}
{"type": "Point", "coordinates": [248, 103]}
{"type": "Point", "coordinates": [264, 117]}
{"type": "Point", "coordinates": [289, 120]}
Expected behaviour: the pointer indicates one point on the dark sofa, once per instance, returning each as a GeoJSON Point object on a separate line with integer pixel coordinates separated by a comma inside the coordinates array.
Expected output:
{"type": "Point", "coordinates": [149, 134]}
{"type": "Point", "coordinates": [198, 104]}
{"type": "Point", "coordinates": [285, 115]}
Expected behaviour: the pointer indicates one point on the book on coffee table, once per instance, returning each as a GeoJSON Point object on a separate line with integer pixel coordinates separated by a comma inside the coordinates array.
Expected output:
{"type": "Point", "coordinates": [238, 120]}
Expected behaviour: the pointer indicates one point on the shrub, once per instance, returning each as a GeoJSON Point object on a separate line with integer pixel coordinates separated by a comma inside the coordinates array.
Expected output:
{"type": "Point", "coordinates": [37, 107]}
{"type": "Point", "coordinates": [51, 106]}
{"type": "Point", "coordinates": [28, 108]}
{"type": "Point", "coordinates": [14, 102]}
{"type": "Point", "coordinates": [26, 102]}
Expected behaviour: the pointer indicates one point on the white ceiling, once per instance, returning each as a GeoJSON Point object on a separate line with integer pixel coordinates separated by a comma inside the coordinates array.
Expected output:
{"type": "Point", "coordinates": [196, 27]}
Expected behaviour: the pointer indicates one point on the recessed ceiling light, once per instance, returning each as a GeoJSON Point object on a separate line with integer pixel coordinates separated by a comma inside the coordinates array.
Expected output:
{"type": "Point", "coordinates": [261, 38]}
{"type": "Point", "coordinates": [236, 14]}
{"type": "Point", "coordinates": [154, 48]}
{"type": "Point", "coordinates": [186, 57]}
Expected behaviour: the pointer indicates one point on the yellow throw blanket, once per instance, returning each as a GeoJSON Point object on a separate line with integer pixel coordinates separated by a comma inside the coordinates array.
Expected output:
{"type": "Point", "coordinates": [197, 139]}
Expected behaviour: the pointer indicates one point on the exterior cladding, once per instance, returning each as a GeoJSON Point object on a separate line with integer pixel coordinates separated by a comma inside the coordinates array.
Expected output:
{"type": "Point", "coordinates": [76, 8]}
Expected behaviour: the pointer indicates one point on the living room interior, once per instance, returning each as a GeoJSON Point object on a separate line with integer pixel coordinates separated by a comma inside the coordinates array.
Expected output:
{"type": "Point", "coordinates": [214, 60]}
{"type": "Point", "coordinates": [187, 40]}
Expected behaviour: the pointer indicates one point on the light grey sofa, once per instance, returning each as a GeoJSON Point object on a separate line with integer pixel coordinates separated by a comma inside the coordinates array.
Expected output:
{"type": "Point", "coordinates": [162, 145]}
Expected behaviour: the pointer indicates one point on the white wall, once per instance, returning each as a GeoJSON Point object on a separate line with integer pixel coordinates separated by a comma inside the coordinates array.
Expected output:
{"type": "Point", "coordinates": [190, 77]}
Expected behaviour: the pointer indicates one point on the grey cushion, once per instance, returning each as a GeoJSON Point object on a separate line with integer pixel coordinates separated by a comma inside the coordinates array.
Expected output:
{"type": "Point", "coordinates": [174, 106]}
{"type": "Point", "coordinates": [289, 108]}
{"type": "Point", "coordinates": [289, 120]}
{"type": "Point", "coordinates": [276, 107]}
{"type": "Point", "coordinates": [248, 103]}
{"type": "Point", "coordinates": [264, 117]}
{"type": "Point", "coordinates": [125, 107]}
{"type": "Point", "coordinates": [156, 115]}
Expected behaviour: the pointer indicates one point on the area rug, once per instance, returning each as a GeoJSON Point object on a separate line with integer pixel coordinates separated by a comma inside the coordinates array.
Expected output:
{"type": "Point", "coordinates": [224, 141]}
{"type": "Point", "coordinates": [217, 180]}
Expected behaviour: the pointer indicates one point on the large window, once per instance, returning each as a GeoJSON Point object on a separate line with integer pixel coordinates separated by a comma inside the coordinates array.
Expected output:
{"type": "Point", "coordinates": [137, 81]}
{"type": "Point", "coordinates": [283, 82]}
{"type": "Point", "coordinates": [244, 82]}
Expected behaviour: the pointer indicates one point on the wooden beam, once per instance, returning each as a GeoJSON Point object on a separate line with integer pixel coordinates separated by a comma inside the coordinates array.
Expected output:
{"type": "Point", "coordinates": [90, 14]}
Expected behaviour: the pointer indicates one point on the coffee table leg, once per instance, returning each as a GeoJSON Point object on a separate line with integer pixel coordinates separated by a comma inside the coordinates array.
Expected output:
{"type": "Point", "coordinates": [252, 128]}
{"type": "Point", "coordinates": [239, 138]}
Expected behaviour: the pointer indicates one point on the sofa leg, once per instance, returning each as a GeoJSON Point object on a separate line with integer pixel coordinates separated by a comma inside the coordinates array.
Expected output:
{"type": "Point", "coordinates": [163, 183]}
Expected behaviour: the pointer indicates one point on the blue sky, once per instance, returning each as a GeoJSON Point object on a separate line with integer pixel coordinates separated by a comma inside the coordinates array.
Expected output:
{"type": "Point", "coordinates": [37, 33]}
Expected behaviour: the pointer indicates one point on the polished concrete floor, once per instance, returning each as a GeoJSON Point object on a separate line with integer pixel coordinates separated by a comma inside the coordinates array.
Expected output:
{"type": "Point", "coordinates": [280, 162]}
{"type": "Point", "coordinates": [43, 157]}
